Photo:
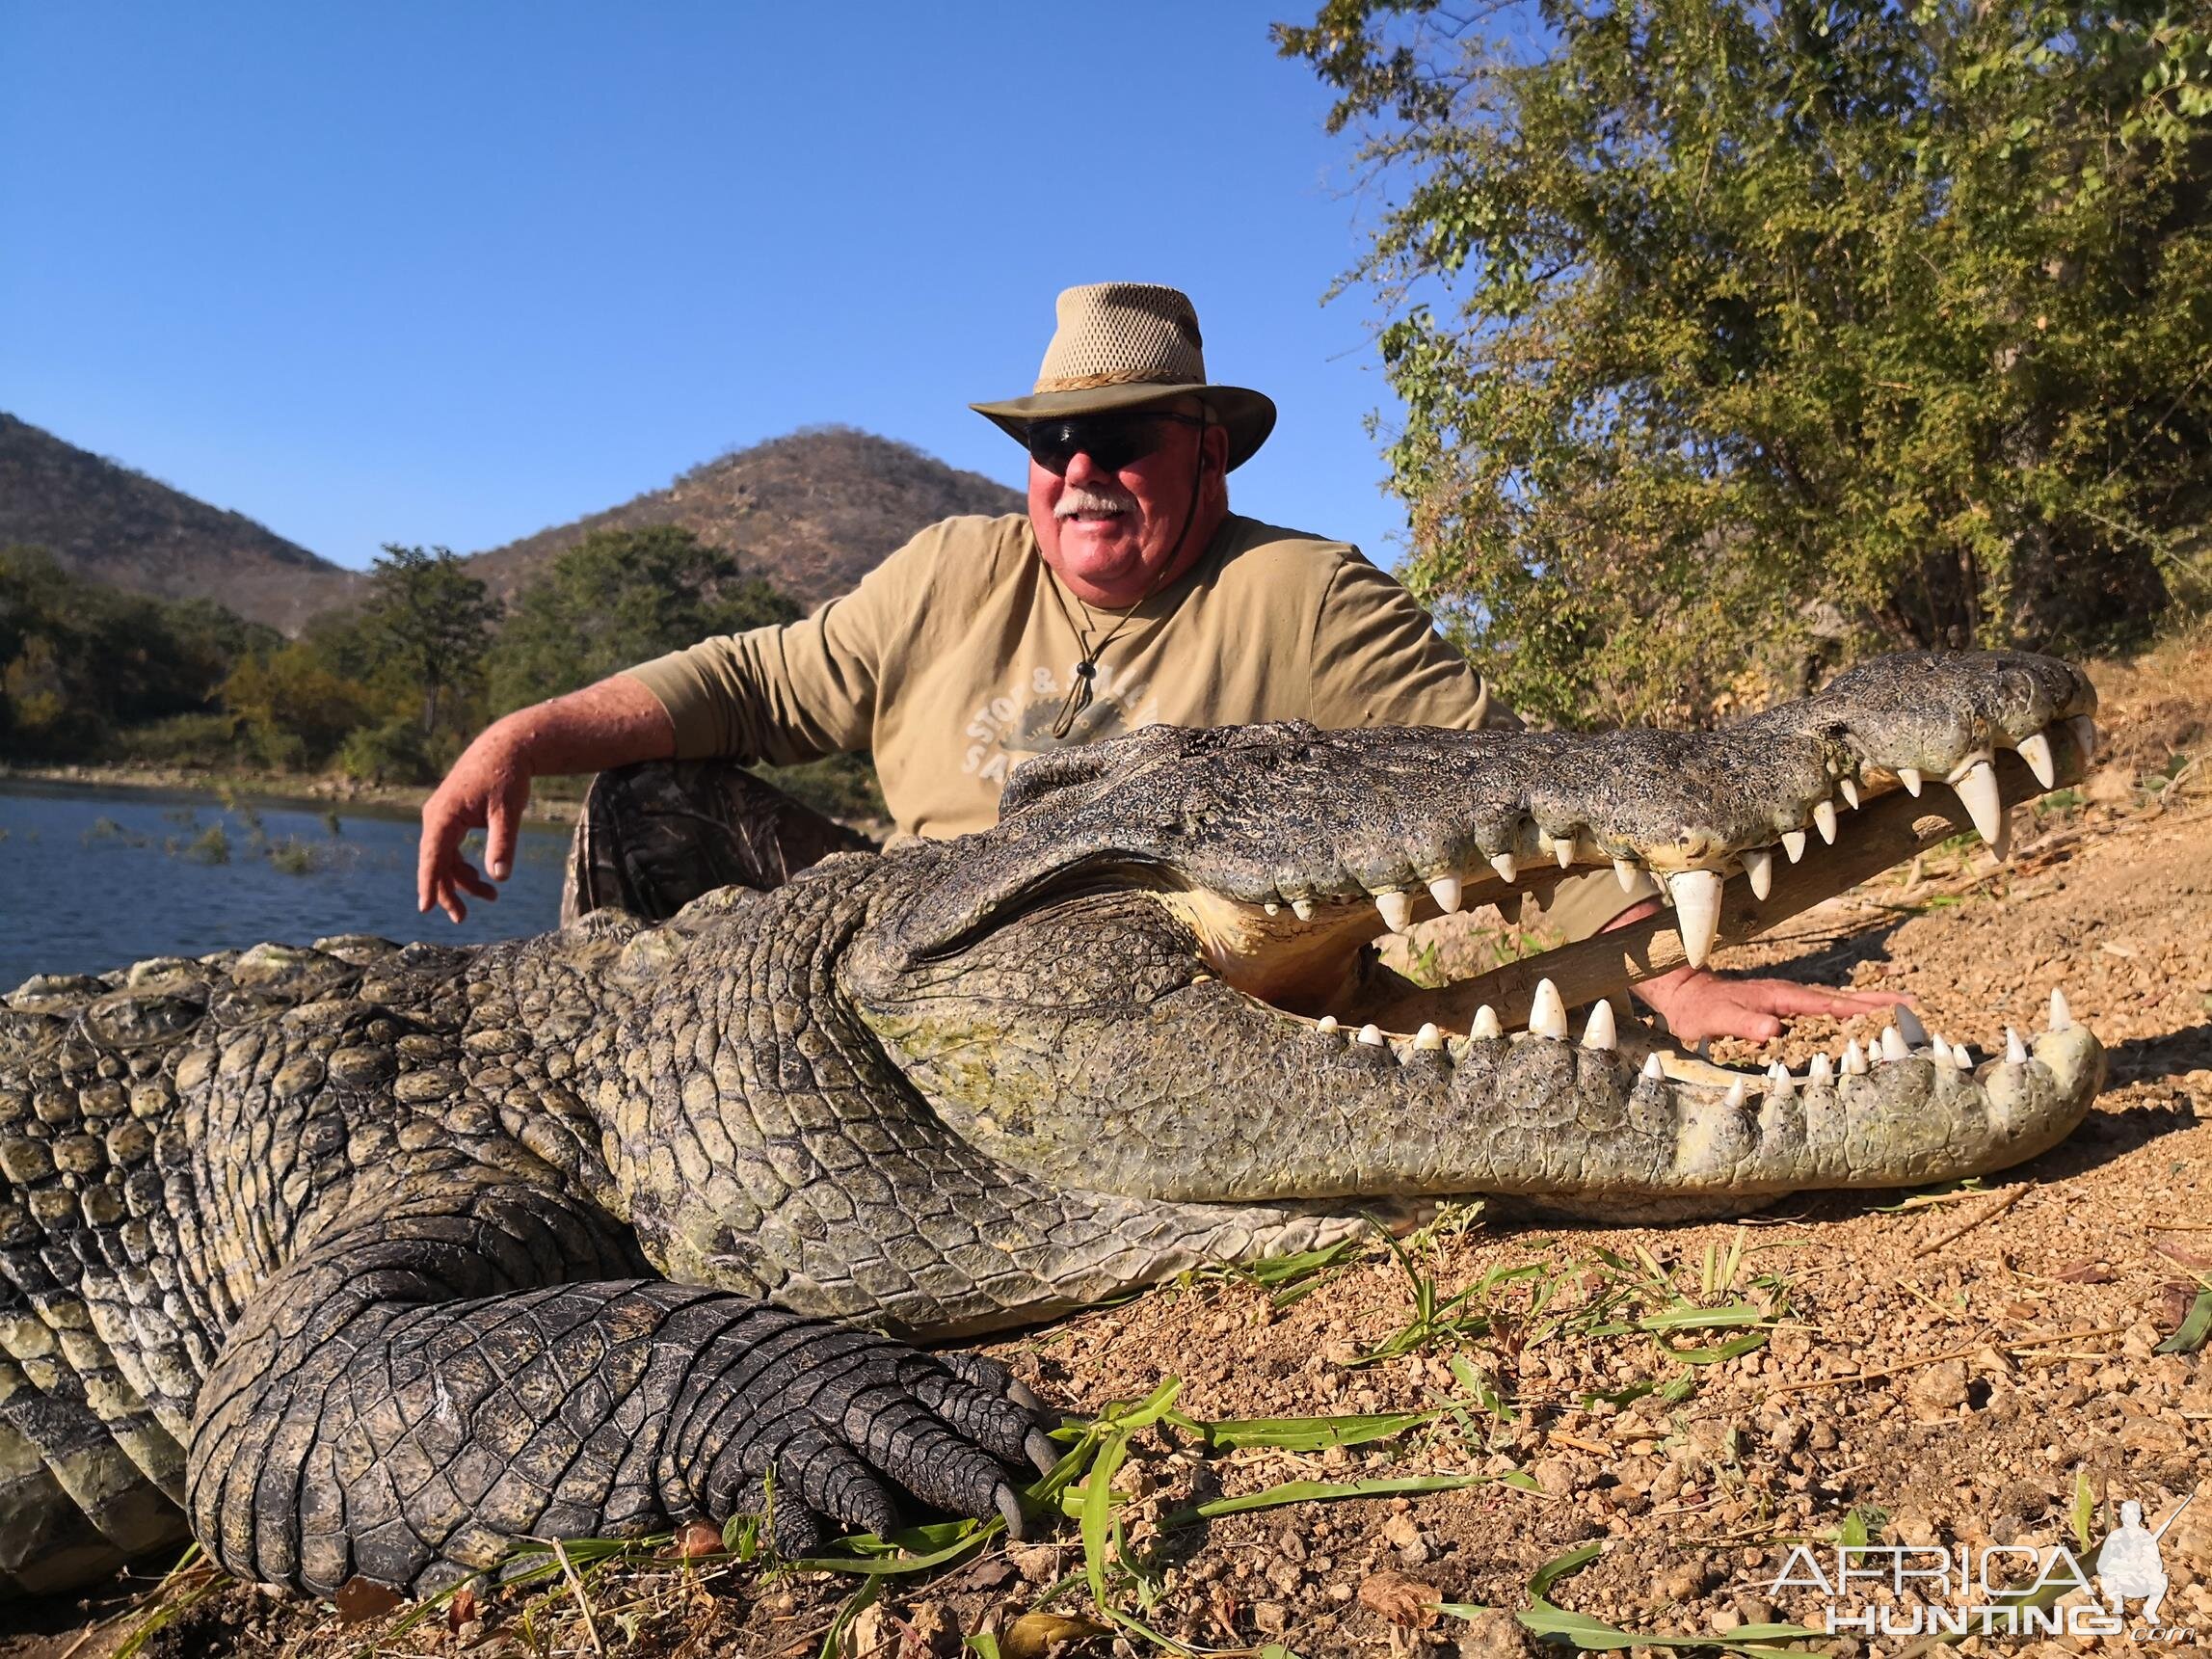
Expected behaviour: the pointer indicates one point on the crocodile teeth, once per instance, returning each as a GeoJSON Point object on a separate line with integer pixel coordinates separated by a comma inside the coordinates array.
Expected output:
{"type": "Point", "coordinates": [1976, 784]}
{"type": "Point", "coordinates": [1599, 1033]}
{"type": "Point", "coordinates": [2035, 749]}
{"type": "Point", "coordinates": [1371, 1035]}
{"type": "Point", "coordinates": [1962, 1058]}
{"type": "Point", "coordinates": [1564, 852]}
{"type": "Point", "coordinates": [1396, 910]}
{"type": "Point", "coordinates": [1855, 1060]}
{"type": "Point", "coordinates": [1940, 1049]}
{"type": "Point", "coordinates": [1429, 1037]}
{"type": "Point", "coordinates": [1696, 894]}
{"type": "Point", "coordinates": [1272, 906]}
{"type": "Point", "coordinates": [1327, 1026]}
{"type": "Point", "coordinates": [1625, 874]}
{"type": "Point", "coordinates": [1759, 871]}
{"type": "Point", "coordinates": [1302, 909]}
{"type": "Point", "coordinates": [1503, 862]}
{"type": "Point", "coordinates": [1547, 1014]}
{"type": "Point", "coordinates": [1848, 788]}
{"type": "Point", "coordinates": [1820, 1070]}
{"type": "Point", "coordinates": [1794, 843]}
{"type": "Point", "coordinates": [1893, 1046]}
{"type": "Point", "coordinates": [2062, 1016]}
{"type": "Point", "coordinates": [1653, 1071]}
{"type": "Point", "coordinates": [1486, 1023]}
{"type": "Point", "coordinates": [1445, 889]}
{"type": "Point", "coordinates": [1782, 1085]}
{"type": "Point", "coordinates": [1824, 821]}
{"type": "Point", "coordinates": [1908, 1026]}
{"type": "Point", "coordinates": [1733, 1100]}
{"type": "Point", "coordinates": [1909, 777]}
{"type": "Point", "coordinates": [2016, 1051]}
{"type": "Point", "coordinates": [2084, 729]}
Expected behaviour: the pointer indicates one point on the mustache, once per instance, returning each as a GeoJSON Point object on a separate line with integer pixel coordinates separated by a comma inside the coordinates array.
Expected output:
{"type": "Point", "coordinates": [1081, 499]}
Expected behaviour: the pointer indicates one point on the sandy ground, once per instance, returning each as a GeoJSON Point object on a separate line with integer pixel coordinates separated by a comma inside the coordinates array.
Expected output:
{"type": "Point", "coordinates": [1939, 1369]}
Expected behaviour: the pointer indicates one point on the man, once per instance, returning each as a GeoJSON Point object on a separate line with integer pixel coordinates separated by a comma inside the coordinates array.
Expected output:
{"type": "Point", "coordinates": [1129, 595]}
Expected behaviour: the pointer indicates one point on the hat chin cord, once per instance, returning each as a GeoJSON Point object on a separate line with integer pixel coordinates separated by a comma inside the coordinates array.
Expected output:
{"type": "Point", "coordinates": [1079, 693]}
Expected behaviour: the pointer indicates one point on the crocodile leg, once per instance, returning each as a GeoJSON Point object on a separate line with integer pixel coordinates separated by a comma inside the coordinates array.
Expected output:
{"type": "Point", "coordinates": [435, 1380]}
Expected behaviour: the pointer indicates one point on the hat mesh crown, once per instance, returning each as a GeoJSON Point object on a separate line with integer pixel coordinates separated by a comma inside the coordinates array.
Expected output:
{"type": "Point", "coordinates": [1122, 333]}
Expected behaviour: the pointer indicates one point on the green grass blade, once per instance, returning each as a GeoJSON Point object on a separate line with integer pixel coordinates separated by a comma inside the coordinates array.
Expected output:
{"type": "Point", "coordinates": [1321, 1491]}
{"type": "Point", "coordinates": [2194, 1330]}
{"type": "Point", "coordinates": [1303, 1434]}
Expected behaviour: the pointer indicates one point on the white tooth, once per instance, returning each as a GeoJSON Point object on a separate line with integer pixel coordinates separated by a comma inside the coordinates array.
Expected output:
{"type": "Point", "coordinates": [1429, 1037]}
{"type": "Point", "coordinates": [1599, 1033]}
{"type": "Point", "coordinates": [1503, 862]}
{"type": "Point", "coordinates": [1794, 843]}
{"type": "Point", "coordinates": [1625, 874]}
{"type": "Point", "coordinates": [1819, 1071]}
{"type": "Point", "coordinates": [2016, 1051]}
{"type": "Point", "coordinates": [2062, 1016]}
{"type": "Point", "coordinates": [1653, 1071]}
{"type": "Point", "coordinates": [1547, 1014]}
{"type": "Point", "coordinates": [1893, 1046]}
{"type": "Point", "coordinates": [1396, 910]}
{"type": "Point", "coordinates": [1327, 1026]}
{"type": "Point", "coordinates": [1759, 871]}
{"type": "Point", "coordinates": [1564, 852]}
{"type": "Point", "coordinates": [1371, 1035]}
{"type": "Point", "coordinates": [1909, 1027]}
{"type": "Point", "coordinates": [1939, 1049]}
{"type": "Point", "coordinates": [1445, 889]}
{"type": "Point", "coordinates": [1733, 1100]}
{"type": "Point", "coordinates": [1824, 821]}
{"type": "Point", "coordinates": [1854, 1060]}
{"type": "Point", "coordinates": [2084, 729]}
{"type": "Point", "coordinates": [1785, 1086]}
{"type": "Point", "coordinates": [1272, 906]}
{"type": "Point", "coordinates": [1962, 1058]}
{"type": "Point", "coordinates": [1977, 786]}
{"type": "Point", "coordinates": [1848, 788]}
{"type": "Point", "coordinates": [2035, 749]}
{"type": "Point", "coordinates": [1909, 777]}
{"type": "Point", "coordinates": [1302, 909]}
{"type": "Point", "coordinates": [1696, 894]}
{"type": "Point", "coordinates": [1486, 1023]}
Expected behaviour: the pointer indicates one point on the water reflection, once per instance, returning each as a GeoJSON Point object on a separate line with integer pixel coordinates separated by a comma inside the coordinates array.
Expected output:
{"type": "Point", "coordinates": [93, 879]}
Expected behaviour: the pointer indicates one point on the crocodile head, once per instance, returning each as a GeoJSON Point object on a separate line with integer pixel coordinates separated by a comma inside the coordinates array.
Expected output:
{"type": "Point", "coordinates": [1154, 977]}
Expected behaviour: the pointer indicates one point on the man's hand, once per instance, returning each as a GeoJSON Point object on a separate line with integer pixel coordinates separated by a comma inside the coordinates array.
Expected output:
{"type": "Point", "coordinates": [613, 723]}
{"type": "Point", "coordinates": [487, 789]}
{"type": "Point", "coordinates": [1699, 1004]}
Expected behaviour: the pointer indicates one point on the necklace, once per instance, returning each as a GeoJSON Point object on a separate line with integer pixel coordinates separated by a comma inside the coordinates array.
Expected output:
{"type": "Point", "coordinates": [1079, 696]}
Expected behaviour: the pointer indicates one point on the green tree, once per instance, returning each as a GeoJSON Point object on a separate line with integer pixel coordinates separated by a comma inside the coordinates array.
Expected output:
{"type": "Point", "coordinates": [427, 621]}
{"type": "Point", "coordinates": [617, 598]}
{"type": "Point", "coordinates": [1731, 333]}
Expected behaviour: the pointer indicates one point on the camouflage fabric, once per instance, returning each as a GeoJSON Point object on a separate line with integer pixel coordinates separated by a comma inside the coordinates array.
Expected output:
{"type": "Point", "coordinates": [653, 837]}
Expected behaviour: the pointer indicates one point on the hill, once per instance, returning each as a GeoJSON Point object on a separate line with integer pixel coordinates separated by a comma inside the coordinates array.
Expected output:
{"type": "Point", "coordinates": [813, 512]}
{"type": "Point", "coordinates": [109, 523]}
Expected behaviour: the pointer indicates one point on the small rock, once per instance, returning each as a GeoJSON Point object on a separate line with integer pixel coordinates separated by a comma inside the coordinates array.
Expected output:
{"type": "Point", "coordinates": [1402, 1531]}
{"type": "Point", "coordinates": [1555, 1475]}
{"type": "Point", "coordinates": [1036, 1563]}
{"type": "Point", "coordinates": [1754, 1609]}
{"type": "Point", "coordinates": [1684, 1584]}
{"type": "Point", "coordinates": [1270, 1617]}
{"type": "Point", "coordinates": [1937, 1391]}
{"type": "Point", "coordinates": [1494, 1634]}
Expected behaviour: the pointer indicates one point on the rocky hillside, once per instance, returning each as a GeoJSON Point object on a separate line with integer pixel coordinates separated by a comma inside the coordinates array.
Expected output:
{"type": "Point", "coordinates": [112, 525]}
{"type": "Point", "coordinates": [813, 512]}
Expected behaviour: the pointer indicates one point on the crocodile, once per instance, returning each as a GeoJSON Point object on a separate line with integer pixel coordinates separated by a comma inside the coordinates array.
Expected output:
{"type": "Point", "coordinates": [363, 1261]}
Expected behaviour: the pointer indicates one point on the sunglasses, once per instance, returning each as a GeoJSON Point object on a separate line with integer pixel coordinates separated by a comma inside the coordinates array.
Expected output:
{"type": "Point", "coordinates": [1111, 441]}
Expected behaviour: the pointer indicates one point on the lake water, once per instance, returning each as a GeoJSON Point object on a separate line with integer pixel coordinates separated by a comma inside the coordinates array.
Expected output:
{"type": "Point", "coordinates": [93, 879]}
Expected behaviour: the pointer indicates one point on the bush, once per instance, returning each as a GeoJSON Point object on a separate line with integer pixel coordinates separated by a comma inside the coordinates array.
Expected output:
{"type": "Point", "coordinates": [394, 751]}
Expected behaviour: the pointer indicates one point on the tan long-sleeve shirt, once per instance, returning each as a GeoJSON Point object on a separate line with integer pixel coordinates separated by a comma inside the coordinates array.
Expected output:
{"type": "Point", "coordinates": [954, 658]}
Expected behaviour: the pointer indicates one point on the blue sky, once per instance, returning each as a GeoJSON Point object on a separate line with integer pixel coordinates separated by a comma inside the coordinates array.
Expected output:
{"type": "Point", "coordinates": [447, 274]}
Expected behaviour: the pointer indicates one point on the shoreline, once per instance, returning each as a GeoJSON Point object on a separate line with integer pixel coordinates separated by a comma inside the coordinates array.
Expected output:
{"type": "Point", "coordinates": [269, 789]}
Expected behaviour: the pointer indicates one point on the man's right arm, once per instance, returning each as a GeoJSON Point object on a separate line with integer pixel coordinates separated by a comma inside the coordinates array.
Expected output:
{"type": "Point", "coordinates": [611, 723]}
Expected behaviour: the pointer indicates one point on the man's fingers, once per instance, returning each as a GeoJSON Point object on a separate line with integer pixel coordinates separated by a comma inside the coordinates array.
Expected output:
{"type": "Point", "coordinates": [499, 835]}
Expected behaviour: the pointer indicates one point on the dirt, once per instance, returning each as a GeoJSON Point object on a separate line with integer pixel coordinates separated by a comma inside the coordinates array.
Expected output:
{"type": "Point", "coordinates": [1943, 1369]}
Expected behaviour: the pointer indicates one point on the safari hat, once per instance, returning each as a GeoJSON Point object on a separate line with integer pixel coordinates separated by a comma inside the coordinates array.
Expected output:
{"type": "Point", "coordinates": [1128, 346]}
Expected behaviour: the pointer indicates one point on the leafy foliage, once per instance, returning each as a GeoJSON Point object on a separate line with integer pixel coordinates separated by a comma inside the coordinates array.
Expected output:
{"type": "Point", "coordinates": [619, 598]}
{"type": "Point", "coordinates": [80, 660]}
{"type": "Point", "coordinates": [1735, 334]}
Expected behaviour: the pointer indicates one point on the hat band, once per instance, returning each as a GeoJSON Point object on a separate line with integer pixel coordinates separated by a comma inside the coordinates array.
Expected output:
{"type": "Point", "coordinates": [1115, 377]}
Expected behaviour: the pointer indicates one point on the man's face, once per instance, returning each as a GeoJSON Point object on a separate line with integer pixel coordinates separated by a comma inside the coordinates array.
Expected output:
{"type": "Point", "coordinates": [1111, 534]}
